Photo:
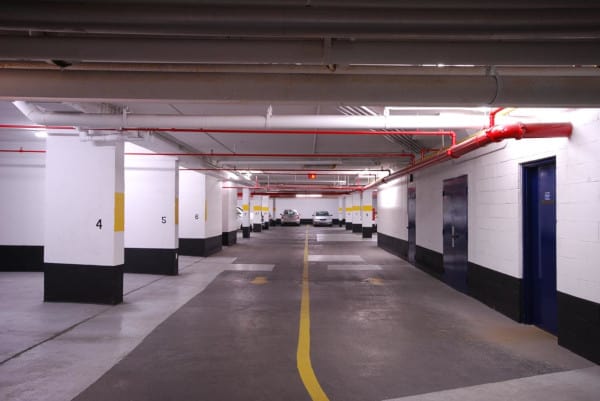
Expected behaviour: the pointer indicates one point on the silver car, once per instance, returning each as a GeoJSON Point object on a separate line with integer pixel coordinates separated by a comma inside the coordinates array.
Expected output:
{"type": "Point", "coordinates": [322, 218]}
{"type": "Point", "coordinates": [290, 216]}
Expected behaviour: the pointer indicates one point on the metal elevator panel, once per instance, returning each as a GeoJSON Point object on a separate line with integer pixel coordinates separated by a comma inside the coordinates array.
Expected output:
{"type": "Point", "coordinates": [455, 232]}
{"type": "Point", "coordinates": [412, 226]}
{"type": "Point", "coordinates": [539, 245]}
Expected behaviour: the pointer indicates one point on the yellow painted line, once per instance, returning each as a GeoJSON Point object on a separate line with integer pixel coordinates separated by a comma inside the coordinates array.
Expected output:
{"type": "Point", "coordinates": [176, 210]}
{"type": "Point", "coordinates": [307, 374]}
{"type": "Point", "coordinates": [119, 211]}
{"type": "Point", "coordinates": [259, 280]}
{"type": "Point", "coordinates": [374, 281]}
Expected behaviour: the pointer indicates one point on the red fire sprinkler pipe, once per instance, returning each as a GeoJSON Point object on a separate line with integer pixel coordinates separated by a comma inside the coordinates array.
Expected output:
{"type": "Point", "coordinates": [493, 115]}
{"type": "Point", "coordinates": [493, 134]}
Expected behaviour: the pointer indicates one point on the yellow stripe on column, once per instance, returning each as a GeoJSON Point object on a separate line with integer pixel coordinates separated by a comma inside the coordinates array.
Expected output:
{"type": "Point", "coordinates": [246, 207]}
{"type": "Point", "coordinates": [176, 210]}
{"type": "Point", "coordinates": [257, 208]}
{"type": "Point", "coordinates": [119, 211]}
{"type": "Point", "coordinates": [367, 208]}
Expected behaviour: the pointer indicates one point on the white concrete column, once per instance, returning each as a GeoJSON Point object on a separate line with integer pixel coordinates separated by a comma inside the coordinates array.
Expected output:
{"type": "Point", "coordinates": [84, 221]}
{"type": "Point", "coordinates": [367, 214]}
{"type": "Point", "coordinates": [273, 206]}
{"type": "Point", "coordinates": [246, 213]}
{"type": "Point", "coordinates": [22, 182]}
{"type": "Point", "coordinates": [256, 203]}
{"type": "Point", "coordinates": [151, 212]}
{"type": "Point", "coordinates": [200, 226]}
{"type": "Point", "coordinates": [348, 202]}
{"type": "Point", "coordinates": [341, 210]}
{"type": "Point", "coordinates": [356, 212]}
{"type": "Point", "coordinates": [266, 212]}
{"type": "Point", "coordinates": [229, 213]}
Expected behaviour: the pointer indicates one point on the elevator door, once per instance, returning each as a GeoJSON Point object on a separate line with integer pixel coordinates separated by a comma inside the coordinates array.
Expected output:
{"type": "Point", "coordinates": [539, 244]}
{"type": "Point", "coordinates": [412, 227]}
{"type": "Point", "coordinates": [455, 232]}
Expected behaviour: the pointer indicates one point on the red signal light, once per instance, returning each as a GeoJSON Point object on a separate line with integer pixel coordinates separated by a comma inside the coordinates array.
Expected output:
{"type": "Point", "coordinates": [312, 176]}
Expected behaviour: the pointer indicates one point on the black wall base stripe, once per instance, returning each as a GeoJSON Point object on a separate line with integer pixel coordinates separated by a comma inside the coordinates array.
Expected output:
{"type": "Point", "coordinates": [151, 261]}
{"type": "Point", "coordinates": [396, 246]}
{"type": "Point", "coordinates": [200, 246]}
{"type": "Point", "coordinates": [579, 326]}
{"type": "Point", "coordinates": [367, 232]}
{"type": "Point", "coordinates": [578, 319]}
{"type": "Point", "coordinates": [83, 283]}
{"type": "Point", "coordinates": [21, 258]}
{"type": "Point", "coordinates": [429, 261]}
{"type": "Point", "coordinates": [229, 238]}
{"type": "Point", "coordinates": [257, 227]}
{"type": "Point", "coordinates": [497, 290]}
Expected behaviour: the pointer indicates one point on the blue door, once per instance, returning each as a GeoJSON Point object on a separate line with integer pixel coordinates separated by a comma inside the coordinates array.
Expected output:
{"type": "Point", "coordinates": [539, 267]}
{"type": "Point", "coordinates": [455, 232]}
{"type": "Point", "coordinates": [412, 225]}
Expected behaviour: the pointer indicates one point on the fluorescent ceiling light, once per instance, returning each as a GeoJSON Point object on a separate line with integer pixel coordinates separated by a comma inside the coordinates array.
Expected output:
{"type": "Point", "coordinates": [41, 134]}
{"type": "Point", "coordinates": [305, 161]}
{"type": "Point", "coordinates": [309, 196]}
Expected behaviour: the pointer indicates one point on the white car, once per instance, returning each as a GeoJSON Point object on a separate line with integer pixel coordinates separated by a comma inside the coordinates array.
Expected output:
{"type": "Point", "coordinates": [322, 218]}
{"type": "Point", "coordinates": [290, 216]}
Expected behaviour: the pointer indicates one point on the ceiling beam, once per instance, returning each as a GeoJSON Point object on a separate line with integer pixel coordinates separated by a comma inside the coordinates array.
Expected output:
{"type": "Point", "coordinates": [310, 51]}
{"type": "Point", "coordinates": [407, 90]}
{"type": "Point", "coordinates": [351, 22]}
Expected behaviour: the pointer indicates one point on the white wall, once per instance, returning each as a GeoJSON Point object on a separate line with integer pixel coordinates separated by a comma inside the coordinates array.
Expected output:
{"type": "Point", "coordinates": [22, 177]}
{"type": "Point", "coordinates": [392, 217]}
{"type": "Point", "coordinates": [578, 209]}
{"type": "Point", "coordinates": [307, 206]}
{"type": "Point", "coordinates": [495, 204]}
{"type": "Point", "coordinates": [151, 190]}
{"type": "Point", "coordinates": [82, 179]}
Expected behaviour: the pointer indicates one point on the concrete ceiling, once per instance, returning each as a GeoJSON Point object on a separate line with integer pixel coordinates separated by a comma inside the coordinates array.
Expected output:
{"type": "Point", "coordinates": [266, 58]}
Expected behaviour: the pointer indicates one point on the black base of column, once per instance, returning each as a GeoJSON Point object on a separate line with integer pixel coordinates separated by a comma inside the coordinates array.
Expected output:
{"type": "Point", "coordinates": [367, 232]}
{"type": "Point", "coordinates": [348, 226]}
{"type": "Point", "coordinates": [200, 246]}
{"type": "Point", "coordinates": [257, 227]}
{"type": "Point", "coordinates": [342, 222]}
{"type": "Point", "coordinates": [83, 283]}
{"type": "Point", "coordinates": [579, 326]}
{"type": "Point", "coordinates": [229, 238]}
{"type": "Point", "coordinates": [278, 222]}
{"type": "Point", "coordinates": [21, 258]}
{"type": "Point", "coordinates": [374, 228]}
{"type": "Point", "coordinates": [335, 222]}
{"type": "Point", "coordinates": [246, 232]}
{"type": "Point", "coordinates": [151, 261]}
{"type": "Point", "coordinates": [356, 228]}
{"type": "Point", "coordinates": [265, 226]}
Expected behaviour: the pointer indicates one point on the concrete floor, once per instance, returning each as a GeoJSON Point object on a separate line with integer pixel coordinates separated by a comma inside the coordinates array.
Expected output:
{"type": "Point", "coordinates": [227, 329]}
